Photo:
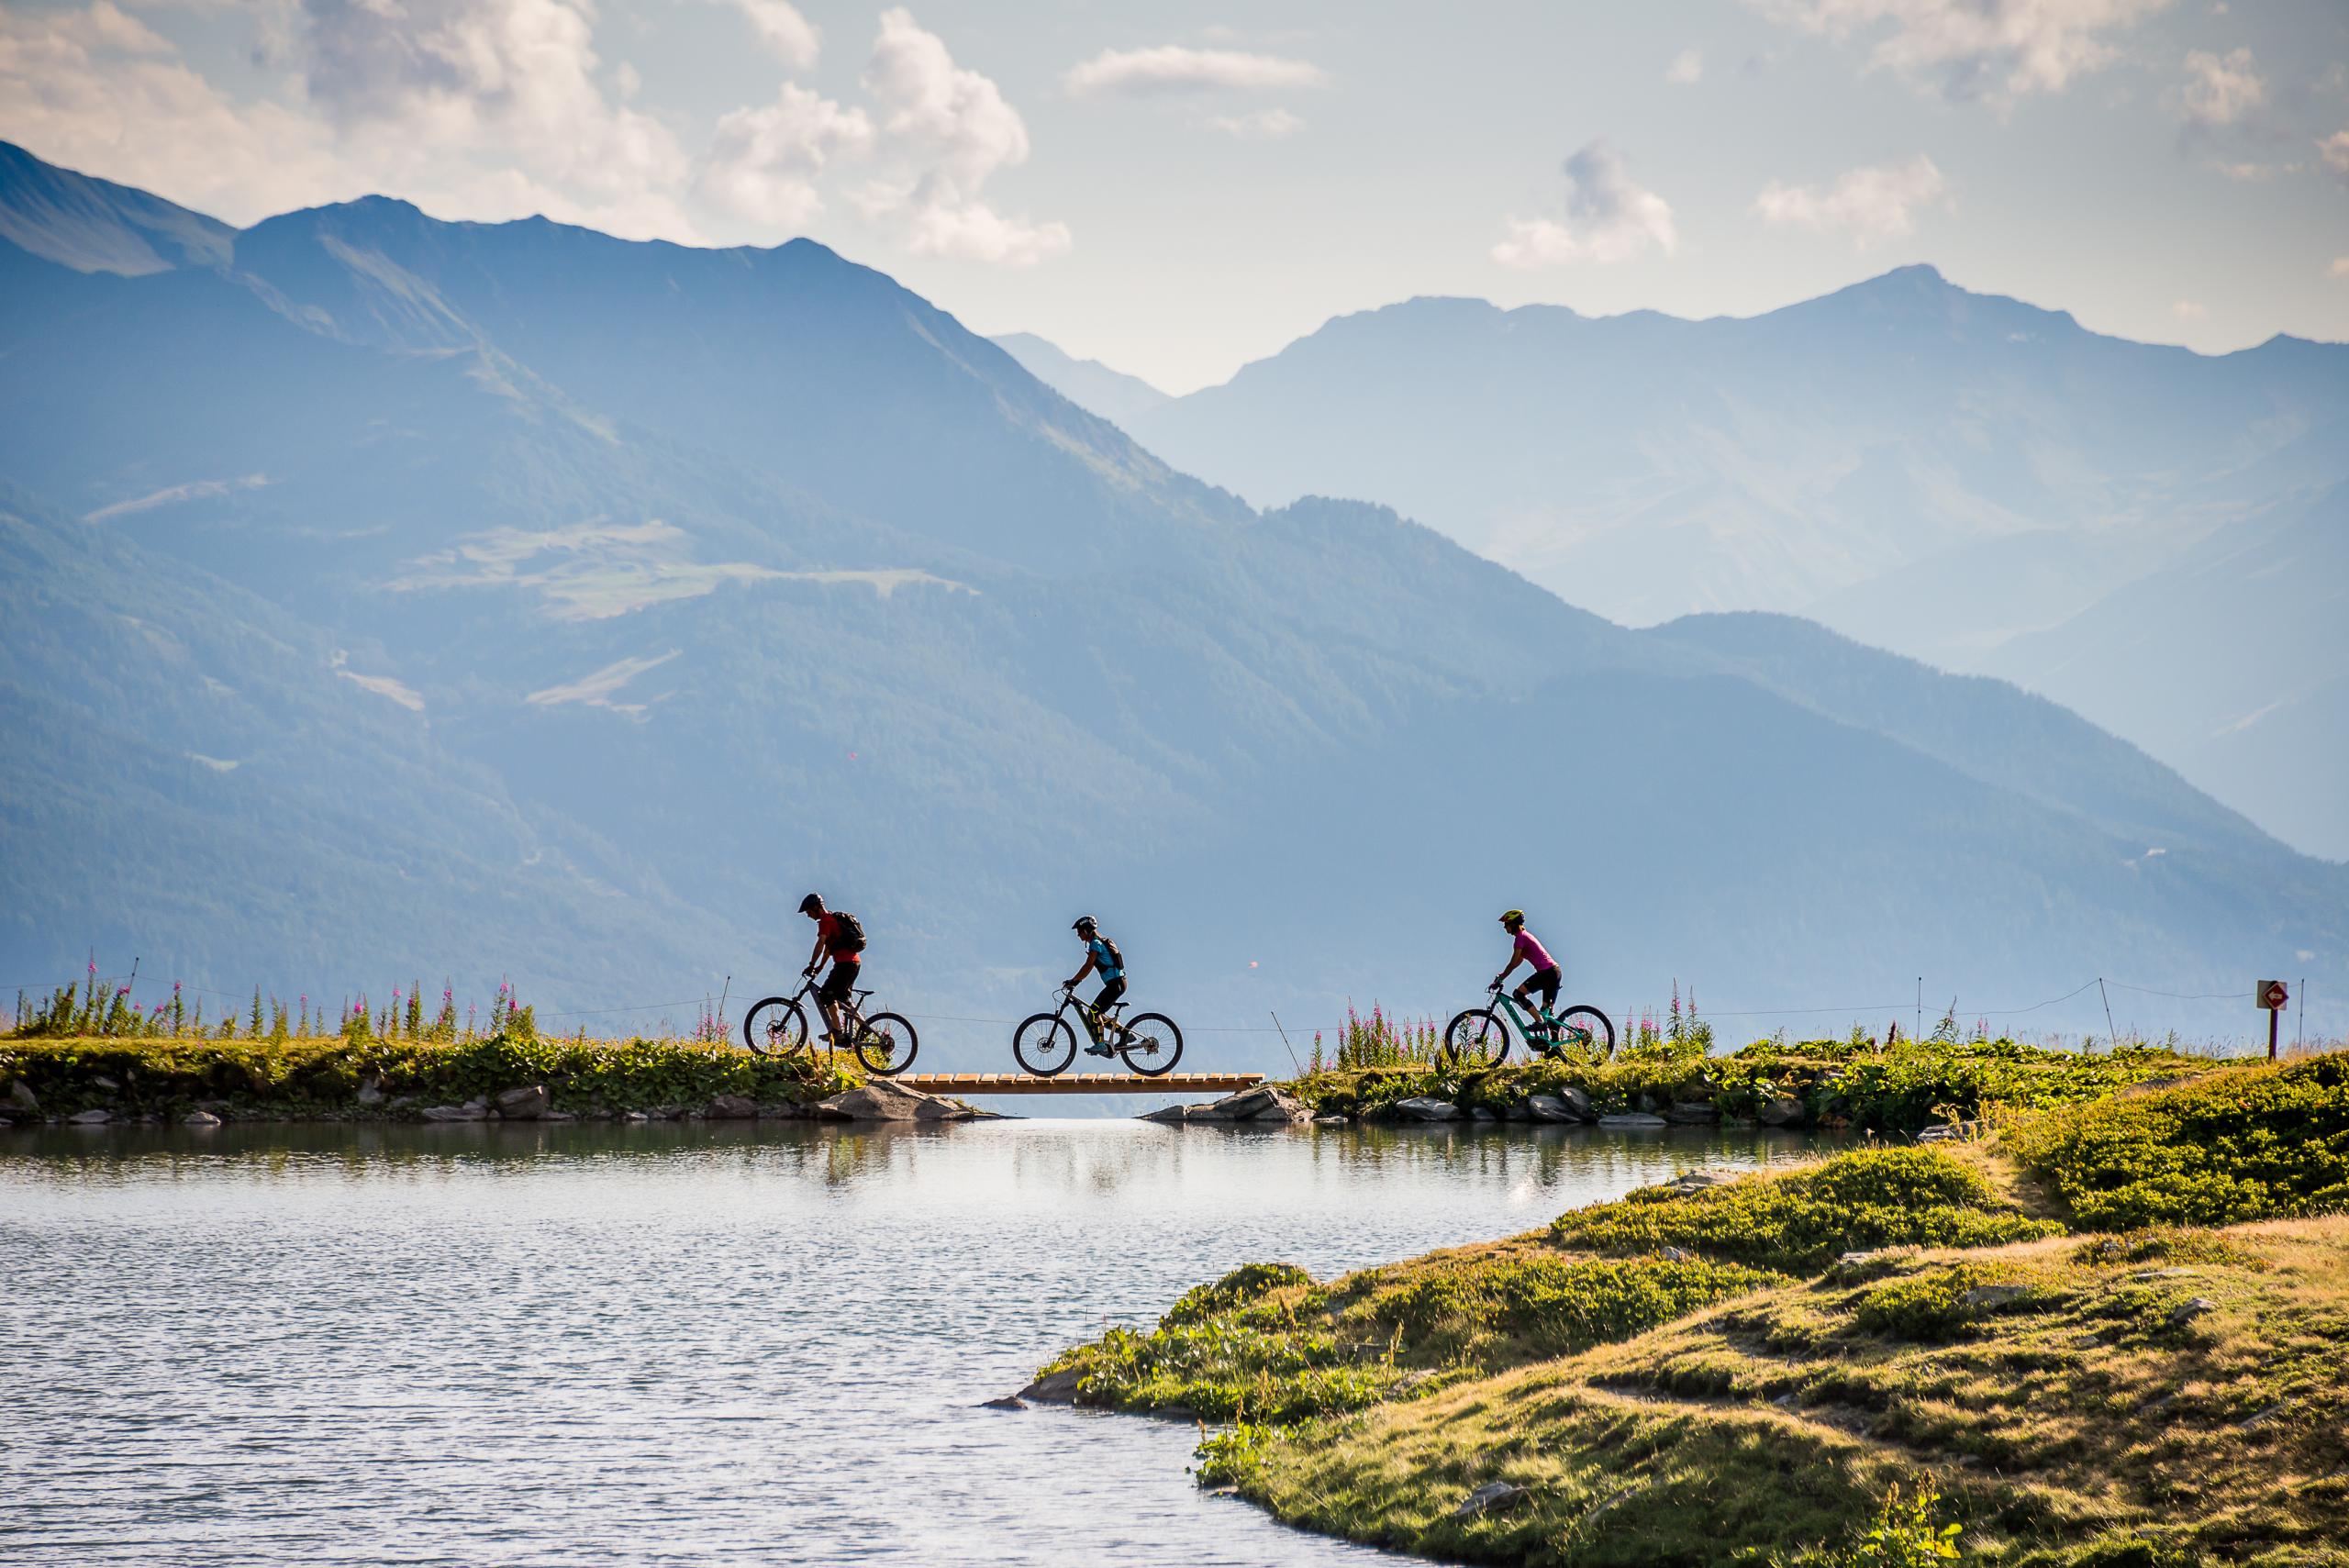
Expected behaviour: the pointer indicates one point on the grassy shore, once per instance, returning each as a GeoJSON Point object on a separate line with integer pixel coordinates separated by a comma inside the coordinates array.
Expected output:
{"type": "Point", "coordinates": [2115, 1331]}
{"type": "Point", "coordinates": [347, 1077]}
{"type": "Point", "coordinates": [1836, 1083]}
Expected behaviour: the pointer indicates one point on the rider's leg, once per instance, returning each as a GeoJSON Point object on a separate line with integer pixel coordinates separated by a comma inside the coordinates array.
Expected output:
{"type": "Point", "coordinates": [1098, 1017]}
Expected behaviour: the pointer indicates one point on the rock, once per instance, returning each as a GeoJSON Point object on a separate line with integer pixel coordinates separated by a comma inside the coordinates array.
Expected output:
{"type": "Point", "coordinates": [1945, 1132]}
{"type": "Point", "coordinates": [102, 1082]}
{"type": "Point", "coordinates": [559, 1115]}
{"type": "Point", "coordinates": [733, 1107]}
{"type": "Point", "coordinates": [2264, 1414]}
{"type": "Point", "coordinates": [468, 1112]}
{"type": "Point", "coordinates": [1266, 1102]}
{"type": "Point", "coordinates": [1677, 1256]}
{"type": "Point", "coordinates": [625, 1116]}
{"type": "Point", "coordinates": [1478, 1113]}
{"type": "Point", "coordinates": [1548, 1108]}
{"type": "Point", "coordinates": [370, 1094]}
{"type": "Point", "coordinates": [1688, 1182]}
{"type": "Point", "coordinates": [1331, 1120]}
{"type": "Point", "coordinates": [1427, 1108]}
{"type": "Point", "coordinates": [1492, 1497]}
{"type": "Point", "coordinates": [2166, 1274]}
{"type": "Point", "coordinates": [1688, 1112]}
{"type": "Point", "coordinates": [1008, 1402]}
{"type": "Point", "coordinates": [1578, 1103]}
{"type": "Point", "coordinates": [526, 1103]}
{"type": "Point", "coordinates": [22, 1096]}
{"type": "Point", "coordinates": [87, 1119]}
{"type": "Point", "coordinates": [402, 1102]}
{"type": "Point", "coordinates": [880, 1100]}
{"type": "Point", "coordinates": [2186, 1312]}
{"type": "Point", "coordinates": [1781, 1110]}
{"type": "Point", "coordinates": [1053, 1388]}
{"type": "Point", "coordinates": [199, 1119]}
{"type": "Point", "coordinates": [1167, 1116]}
{"type": "Point", "coordinates": [1633, 1119]}
{"type": "Point", "coordinates": [479, 1102]}
{"type": "Point", "coordinates": [1985, 1298]}
{"type": "Point", "coordinates": [1853, 1259]}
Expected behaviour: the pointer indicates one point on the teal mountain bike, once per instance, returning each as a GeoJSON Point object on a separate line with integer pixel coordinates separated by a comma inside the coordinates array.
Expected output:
{"type": "Point", "coordinates": [1479, 1037]}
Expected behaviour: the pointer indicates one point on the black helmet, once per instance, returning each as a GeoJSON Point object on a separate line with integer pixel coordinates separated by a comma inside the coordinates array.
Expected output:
{"type": "Point", "coordinates": [810, 904]}
{"type": "Point", "coordinates": [1086, 923]}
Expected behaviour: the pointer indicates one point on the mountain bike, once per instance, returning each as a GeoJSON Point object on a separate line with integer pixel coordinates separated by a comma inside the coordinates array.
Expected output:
{"type": "Point", "coordinates": [1479, 1037]}
{"type": "Point", "coordinates": [778, 1025]}
{"type": "Point", "coordinates": [1044, 1044]}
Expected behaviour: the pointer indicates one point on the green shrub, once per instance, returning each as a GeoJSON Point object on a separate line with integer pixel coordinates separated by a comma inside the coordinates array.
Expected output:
{"type": "Point", "coordinates": [1929, 1306]}
{"type": "Point", "coordinates": [2249, 1144]}
{"type": "Point", "coordinates": [1799, 1223]}
{"type": "Point", "coordinates": [1249, 1282]}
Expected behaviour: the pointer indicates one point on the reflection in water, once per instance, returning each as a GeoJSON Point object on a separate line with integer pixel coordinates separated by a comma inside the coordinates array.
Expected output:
{"type": "Point", "coordinates": [605, 1343]}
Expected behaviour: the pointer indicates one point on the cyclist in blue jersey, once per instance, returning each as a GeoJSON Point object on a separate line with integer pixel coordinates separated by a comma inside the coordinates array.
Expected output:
{"type": "Point", "coordinates": [1101, 958]}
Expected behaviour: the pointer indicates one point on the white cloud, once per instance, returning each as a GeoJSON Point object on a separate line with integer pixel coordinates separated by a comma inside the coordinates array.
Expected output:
{"type": "Point", "coordinates": [413, 80]}
{"type": "Point", "coordinates": [1686, 69]}
{"type": "Point", "coordinates": [2220, 89]}
{"type": "Point", "coordinates": [2189, 310]}
{"type": "Point", "coordinates": [2339, 271]}
{"type": "Point", "coordinates": [790, 37]}
{"type": "Point", "coordinates": [1266, 123]}
{"type": "Point", "coordinates": [946, 131]}
{"type": "Point", "coordinates": [1975, 49]}
{"type": "Point", "coordinates": [763, 162]}
{"type": "Point", "coordinates": [1607, 217]}
{"type": "Point", "coordinates": [1170, 68]}
{"type": "Point", "coordinates": [2334, 150]}
{"type": "Point", "coordinates": [1872, 204]}
{"type": "Point", "coordinates": [2249, 173]}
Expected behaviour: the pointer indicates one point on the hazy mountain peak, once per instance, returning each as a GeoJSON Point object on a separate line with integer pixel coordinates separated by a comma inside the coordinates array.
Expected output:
{"type": "Point", "coordinates": [1093, 386]}
{"type": "Point", "coordinates": [95, 226]}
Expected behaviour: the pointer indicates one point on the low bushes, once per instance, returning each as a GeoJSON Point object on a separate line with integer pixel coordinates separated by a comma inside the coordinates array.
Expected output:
{"type": "Point", "coordinates": [2251, 1144]}
{"type": "Point", "coordinates": [1799, 1223]}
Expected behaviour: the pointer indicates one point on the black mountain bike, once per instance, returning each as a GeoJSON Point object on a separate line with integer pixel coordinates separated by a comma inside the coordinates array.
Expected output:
{"type": "Point", "coordinates": [778, 1025]}
{"type": "Point", "coordinates": [1479, 1037]}
{"type": "Point", "coordinates": [1045, 1043]}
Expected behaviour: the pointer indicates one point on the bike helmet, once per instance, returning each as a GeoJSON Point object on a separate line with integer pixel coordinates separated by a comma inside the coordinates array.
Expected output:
{"type": "Point", "coordinates": [1512, 917]}
{"type": "Point", "coordinates": [1086, 923]}
{"type": "Point", "coordinates": [810, 904]}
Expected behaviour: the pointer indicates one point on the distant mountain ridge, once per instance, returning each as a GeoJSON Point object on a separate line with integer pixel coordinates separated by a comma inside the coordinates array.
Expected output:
{"type": "Point", "coordinates": [1948, 474]}
{"type": "Point", "coordinates": [1118, 397]}
{"type": "Point", "coordinates": [493, 637]}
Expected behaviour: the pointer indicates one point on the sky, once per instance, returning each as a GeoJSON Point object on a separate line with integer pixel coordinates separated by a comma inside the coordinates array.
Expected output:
{"type": "Point", "coordinates": [1176, 189]}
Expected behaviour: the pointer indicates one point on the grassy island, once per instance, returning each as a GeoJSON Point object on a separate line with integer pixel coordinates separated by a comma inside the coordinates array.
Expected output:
{"type": "Point", "coordinates": [2112, 1331]}
{"type": "Point", "coordinates": [360, 1076]}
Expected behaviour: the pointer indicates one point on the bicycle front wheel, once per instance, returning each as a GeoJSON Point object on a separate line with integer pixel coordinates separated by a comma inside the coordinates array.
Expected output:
{"type": "Point", "coordinates": [887, 1045]}
{"type": "Point", "coordinates": [1153, 1045]}
{"type": "Point", "coordinates": [776, 1027]}
{"type": "Point", "coordinates": [1043, 1045]}
{"type": "Point", "coordinates": [1476, 1038]}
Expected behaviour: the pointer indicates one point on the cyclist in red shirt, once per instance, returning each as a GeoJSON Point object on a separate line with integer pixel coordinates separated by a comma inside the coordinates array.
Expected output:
{"type": "Point", "coordinates": [839, 938]}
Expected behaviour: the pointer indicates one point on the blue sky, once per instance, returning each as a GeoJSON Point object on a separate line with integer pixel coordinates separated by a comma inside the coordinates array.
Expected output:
{"type": "Point", "coordinates": [1178, 188]}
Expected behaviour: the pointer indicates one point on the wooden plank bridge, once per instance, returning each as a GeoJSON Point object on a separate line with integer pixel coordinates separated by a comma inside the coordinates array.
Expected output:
{"type": "Point", "coordinates": [959, 1083]}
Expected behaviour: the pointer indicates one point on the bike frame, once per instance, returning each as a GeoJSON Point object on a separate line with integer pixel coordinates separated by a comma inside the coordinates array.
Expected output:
{"type": "Point", "coordinates": [855, 1007]}
{"type": "Point", "coordinates": [1084, 1014]}
{"type": "Point", "coordinates": [1540, 1018]}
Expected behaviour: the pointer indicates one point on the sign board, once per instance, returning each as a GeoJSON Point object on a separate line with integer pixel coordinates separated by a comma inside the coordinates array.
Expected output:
{"type": "Point", "coordinates": [2272, 995]}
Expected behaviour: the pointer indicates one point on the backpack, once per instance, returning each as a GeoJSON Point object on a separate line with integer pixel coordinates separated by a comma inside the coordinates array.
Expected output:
{"type": "Point", "coordinates": [848, 933]}
{"type": "Point", "coordinates": [1117, 958]}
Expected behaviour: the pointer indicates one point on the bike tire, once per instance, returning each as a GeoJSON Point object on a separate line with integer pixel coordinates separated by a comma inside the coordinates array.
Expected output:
{"type": "Point", "coordinates": [1043, 1044]}
{"type": "Point", "coordinates": [776, 1027]}
{"type": "Point", "coordinates": [1151, 1045]}
{"type": "Point", "coordinates": [1600, 1027]}
{"type": "Point", "coordinates": [887, 1044]}
{"type": "Point", "coordinates": [1476, 1038]}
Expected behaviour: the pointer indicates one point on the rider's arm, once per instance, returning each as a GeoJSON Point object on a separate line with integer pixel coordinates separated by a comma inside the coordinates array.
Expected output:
{"type": "Point", "coordinates": [816, 954]}
{"type": "Point", "coordinates": [1082, 971]}
{"type": "Point", "coordinates": [1514, 959]}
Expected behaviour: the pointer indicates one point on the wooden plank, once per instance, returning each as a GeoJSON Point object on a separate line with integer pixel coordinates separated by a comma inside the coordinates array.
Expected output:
{"type": "Point", "coordinates": [1080, 1084]}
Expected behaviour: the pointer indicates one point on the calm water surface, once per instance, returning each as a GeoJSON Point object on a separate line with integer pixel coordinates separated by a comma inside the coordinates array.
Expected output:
{"type": "Point", "coordinates": [671, 1343]}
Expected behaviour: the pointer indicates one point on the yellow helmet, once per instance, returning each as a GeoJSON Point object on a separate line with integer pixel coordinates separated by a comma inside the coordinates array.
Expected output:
{"type": "Point", "coordinates": [1512, 917]}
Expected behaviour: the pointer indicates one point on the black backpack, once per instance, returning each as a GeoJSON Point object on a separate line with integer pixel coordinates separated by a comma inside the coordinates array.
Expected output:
{"type": "Point", "coordinates": [848, 932]}
{"type": "Point", "coordinates": [1117, 958]}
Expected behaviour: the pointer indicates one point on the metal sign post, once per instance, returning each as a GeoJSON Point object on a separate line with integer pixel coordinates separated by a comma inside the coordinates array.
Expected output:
{"type": "Point", "coordinates": [2272, 995]}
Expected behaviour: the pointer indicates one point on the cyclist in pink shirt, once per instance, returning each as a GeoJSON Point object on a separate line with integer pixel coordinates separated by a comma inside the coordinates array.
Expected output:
{"type": "Point", "coordinates": [1525, 948]}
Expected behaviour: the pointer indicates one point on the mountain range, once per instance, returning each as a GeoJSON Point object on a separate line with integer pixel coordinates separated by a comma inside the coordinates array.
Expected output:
{"type": "Point", "coordinates": [389, 597]}
{"type": "Point", "coordinates": [2150, 536]}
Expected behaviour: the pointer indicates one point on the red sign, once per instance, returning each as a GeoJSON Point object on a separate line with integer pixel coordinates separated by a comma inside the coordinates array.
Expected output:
{"type": "Point", "coordinates": [2272, 996]}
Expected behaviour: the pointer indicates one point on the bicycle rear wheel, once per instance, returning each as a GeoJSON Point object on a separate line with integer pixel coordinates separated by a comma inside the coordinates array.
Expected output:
{"type": "Point", "coordinates": [1043, 1044]}
{"type": "Point", "coordinates": [1153, 1045]}
{"type": "Point", "coordinates": [887, 1045]}
{"type": "Point", "coordinates": [1476, 1038]}
{"type": "Point", "coordinates": [1585, 1031]}
{"type": "Point", "coordinates": [776, 1027]}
